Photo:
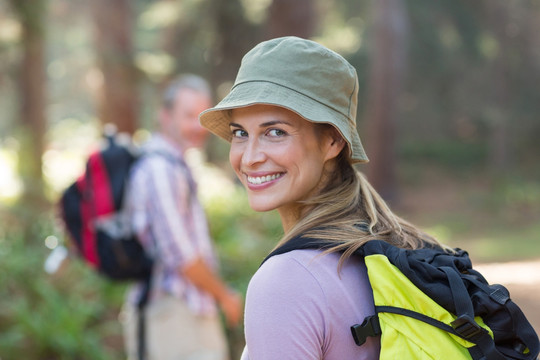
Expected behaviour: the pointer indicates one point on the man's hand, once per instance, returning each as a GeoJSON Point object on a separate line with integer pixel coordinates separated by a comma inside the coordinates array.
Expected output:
{"type": "Point", "coordinates": [232, 306]}
{"type": "Point", "coordinates": [205, 279]}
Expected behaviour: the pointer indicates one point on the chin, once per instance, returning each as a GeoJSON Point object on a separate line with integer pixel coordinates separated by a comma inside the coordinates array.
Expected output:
{"type": "Point", "coordinates": [261, 206]}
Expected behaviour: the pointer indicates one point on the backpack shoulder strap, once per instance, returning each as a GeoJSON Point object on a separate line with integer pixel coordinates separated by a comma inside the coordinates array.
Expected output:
{"type": "Point", "coordinates": [301, 243]}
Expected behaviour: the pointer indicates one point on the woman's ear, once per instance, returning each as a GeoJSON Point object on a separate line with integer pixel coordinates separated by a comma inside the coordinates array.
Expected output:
{"type": "Point", "coordinates": [335, 144]}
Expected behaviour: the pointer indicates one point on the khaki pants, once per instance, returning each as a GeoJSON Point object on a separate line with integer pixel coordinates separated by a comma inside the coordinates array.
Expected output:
{"type": "Point", "coordinates": [173, 332]}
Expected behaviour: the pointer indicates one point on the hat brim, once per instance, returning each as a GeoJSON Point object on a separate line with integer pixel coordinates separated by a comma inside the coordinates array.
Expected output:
{"type": "Point", "coordinates": [246, 94]}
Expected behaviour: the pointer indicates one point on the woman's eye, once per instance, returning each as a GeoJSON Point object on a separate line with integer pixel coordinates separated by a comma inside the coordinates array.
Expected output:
{"type": "Point", "coordinates": [276, 132]}
{"type": "Point", "coordinates": [237, 133]}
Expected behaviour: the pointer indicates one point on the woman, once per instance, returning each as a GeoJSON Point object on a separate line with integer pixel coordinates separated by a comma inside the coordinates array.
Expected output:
{"type": "Point", "coordinates": [291, 121]}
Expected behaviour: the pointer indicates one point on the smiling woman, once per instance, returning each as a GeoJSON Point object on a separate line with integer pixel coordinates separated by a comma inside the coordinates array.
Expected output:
{"type": "Point", "coordinates": [291, 121]}
{"type": "Point", "coordinates": [280, 158]}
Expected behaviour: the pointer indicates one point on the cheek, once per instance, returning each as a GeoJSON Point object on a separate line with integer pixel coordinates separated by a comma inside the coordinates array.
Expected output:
{"type": "Point", "coordinates": [234, 158]}
{"type": "Point", "coordinates": [310, 168]}
{"type": "Point", "coordinates": [175, 126]}
{"type": "Point", "coordinates": [196, 130]}
{"type": "Point", "coordinates": [183, 125]}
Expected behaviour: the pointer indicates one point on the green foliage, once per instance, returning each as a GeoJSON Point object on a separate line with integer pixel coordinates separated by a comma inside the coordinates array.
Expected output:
{"type": "Point", "coordinates": [452, 154]}
{"type": "Point", "coordinates": [495, 218]}
{"type": "Point", "coordinates": [69, 315]}
{"type": "Point", "coordinates": [73, 313]}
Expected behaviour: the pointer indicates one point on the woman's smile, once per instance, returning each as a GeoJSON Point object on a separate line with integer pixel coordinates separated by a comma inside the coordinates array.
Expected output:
{"type": "Point", "coordinates": [263, 179]}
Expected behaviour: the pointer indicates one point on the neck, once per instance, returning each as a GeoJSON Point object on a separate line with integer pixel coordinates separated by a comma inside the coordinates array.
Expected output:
{"type": "Point", "coordinates": [174, 142]}
{"type": "Point", "coordinates": [290, 215]}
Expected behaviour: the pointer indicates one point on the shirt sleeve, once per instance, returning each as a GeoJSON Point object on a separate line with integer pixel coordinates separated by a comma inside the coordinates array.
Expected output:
{"type": "Point", "coordinates": [284, 316]}
{"type": "Point", "coordinates": [172, 222]}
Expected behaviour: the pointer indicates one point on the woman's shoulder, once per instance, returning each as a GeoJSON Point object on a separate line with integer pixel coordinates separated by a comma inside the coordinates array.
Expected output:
{"type": "Point", "coordinates": [304, 290]}
{"type": "Point", "coordinates": [302, 271]}
{"type": "Point", "coordinates": [312, 261]}
{"type": "Point", "coordinates": [286, 270]}
{"type": "Point", "coordinates": [309, 262]}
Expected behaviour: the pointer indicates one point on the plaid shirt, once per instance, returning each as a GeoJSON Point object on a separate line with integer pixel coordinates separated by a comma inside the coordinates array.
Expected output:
{"type": "Point", "coordinates": [170, 222]}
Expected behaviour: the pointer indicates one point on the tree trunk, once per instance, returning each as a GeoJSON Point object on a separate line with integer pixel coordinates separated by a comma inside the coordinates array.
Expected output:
{"type": "Point", "coordinates": [233, 39]}
{"type": "Point", "coordinates": [113, 28]}
{"type": "Point", "coordinates": [385, 78]}
{"type": "Point", "coordinates": [295, 18]}
{"type": "Point", "coordinates": [498, 18]}
{"type": "Point", "coordinates": [32, 99]}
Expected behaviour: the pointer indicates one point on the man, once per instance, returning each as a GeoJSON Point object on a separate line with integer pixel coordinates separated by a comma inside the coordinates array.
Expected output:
{"type": "Point", "coordinates": [181, 317]}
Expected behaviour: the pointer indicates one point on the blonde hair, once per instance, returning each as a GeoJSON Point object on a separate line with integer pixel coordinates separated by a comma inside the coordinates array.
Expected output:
{"type": "Point", "coordinates": [349, 211]}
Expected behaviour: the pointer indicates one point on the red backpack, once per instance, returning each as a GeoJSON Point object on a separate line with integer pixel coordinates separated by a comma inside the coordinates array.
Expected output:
{"type": "Point", "coordinates": [91, 209]}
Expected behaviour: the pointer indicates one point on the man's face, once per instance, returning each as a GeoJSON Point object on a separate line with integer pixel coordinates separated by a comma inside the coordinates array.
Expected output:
{"type": "Point", "coordinates": [181, 122]}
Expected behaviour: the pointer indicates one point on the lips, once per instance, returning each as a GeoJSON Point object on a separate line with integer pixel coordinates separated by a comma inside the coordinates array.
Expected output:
{"type": "Point", "coordinates": [259, 180]}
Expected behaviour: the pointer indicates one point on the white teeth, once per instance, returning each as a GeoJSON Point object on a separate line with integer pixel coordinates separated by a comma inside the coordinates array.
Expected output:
{"type": "Point", "coordinates": [262, 179]}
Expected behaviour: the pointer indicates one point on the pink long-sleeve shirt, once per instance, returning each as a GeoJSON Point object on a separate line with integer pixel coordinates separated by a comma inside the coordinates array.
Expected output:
{"type": "Point", "coordinates": [299, 307]}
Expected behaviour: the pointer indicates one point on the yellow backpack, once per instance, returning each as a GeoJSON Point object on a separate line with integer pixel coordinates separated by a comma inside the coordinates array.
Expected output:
{"type": "Point", "coordinates": [431, 304]}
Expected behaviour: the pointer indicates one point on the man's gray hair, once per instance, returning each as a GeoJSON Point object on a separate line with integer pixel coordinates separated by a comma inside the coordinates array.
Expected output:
{"type": "Point", "coordinates": [185, 81]}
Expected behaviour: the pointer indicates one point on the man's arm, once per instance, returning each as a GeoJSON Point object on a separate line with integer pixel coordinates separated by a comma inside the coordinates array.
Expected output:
{"type": "Point", "coordinates": [200, 275]}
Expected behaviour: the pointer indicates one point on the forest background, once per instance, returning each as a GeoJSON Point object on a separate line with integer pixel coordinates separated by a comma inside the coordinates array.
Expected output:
{"type": "Point", "coordinates": [448, 110]}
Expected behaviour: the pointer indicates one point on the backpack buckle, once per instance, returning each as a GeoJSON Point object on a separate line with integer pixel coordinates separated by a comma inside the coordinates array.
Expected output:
{"type": "Point", "coordinates": [369, 327]}
{"type": "Point", "coordinates": [466, 327]}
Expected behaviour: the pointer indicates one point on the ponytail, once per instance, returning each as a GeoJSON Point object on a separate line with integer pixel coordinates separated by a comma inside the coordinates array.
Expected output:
{"type": "Point", "coordinates": [348, 210]}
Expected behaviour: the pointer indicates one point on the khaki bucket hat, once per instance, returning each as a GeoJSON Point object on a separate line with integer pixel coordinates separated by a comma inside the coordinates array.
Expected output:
{"type": "Point", "coordinates": [299, 75]}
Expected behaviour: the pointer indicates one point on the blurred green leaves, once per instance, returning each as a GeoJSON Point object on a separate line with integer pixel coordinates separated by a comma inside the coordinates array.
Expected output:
{"type": "Point", "coordinates": [73, 314]}
{"type": "Point", "coordinates": [60, 316]}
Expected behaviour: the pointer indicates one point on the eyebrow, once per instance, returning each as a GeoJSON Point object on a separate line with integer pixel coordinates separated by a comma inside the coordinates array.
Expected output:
{"type": "Point", "coordinates": [263, 125]}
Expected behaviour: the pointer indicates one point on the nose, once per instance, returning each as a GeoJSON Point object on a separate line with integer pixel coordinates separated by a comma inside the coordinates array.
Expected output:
{"type": "Point", "coordinates": [253, 153]}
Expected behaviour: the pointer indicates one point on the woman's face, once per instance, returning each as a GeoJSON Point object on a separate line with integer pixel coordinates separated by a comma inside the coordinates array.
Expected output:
{"type": "Point", "coordinates": [278, 156]}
